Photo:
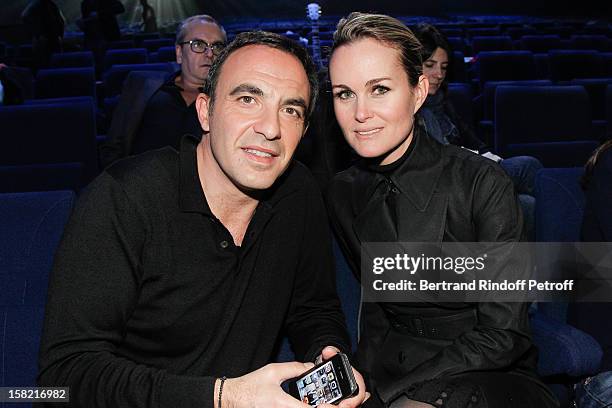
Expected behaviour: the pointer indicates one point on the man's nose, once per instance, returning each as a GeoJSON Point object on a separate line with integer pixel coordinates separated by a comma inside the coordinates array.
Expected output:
{"type": "Point", "coordinates": [268, 124]}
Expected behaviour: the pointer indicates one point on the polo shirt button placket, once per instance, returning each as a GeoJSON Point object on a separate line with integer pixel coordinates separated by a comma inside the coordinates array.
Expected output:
{"type": "Point", "coordinates": [224, 244]}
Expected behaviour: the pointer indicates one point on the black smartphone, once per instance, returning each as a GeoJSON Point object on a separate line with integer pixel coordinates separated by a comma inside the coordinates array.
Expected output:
{"type": "Point", "coordinates": [329, 382]}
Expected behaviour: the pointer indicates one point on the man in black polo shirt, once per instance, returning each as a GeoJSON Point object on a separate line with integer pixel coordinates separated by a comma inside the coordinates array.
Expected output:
{"type": "Point", "coordinates": [156, 110]}
{"type": "Point", "coordinates": [178, 269]}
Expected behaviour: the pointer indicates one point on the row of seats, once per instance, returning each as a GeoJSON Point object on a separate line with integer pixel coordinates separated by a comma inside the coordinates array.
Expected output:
{"type": "Point", "coordinates": [533, 43]}
{"type": "Point", "coordinates": [50, 144]}
{"type": "Point", "coordinates": [33, 224]}
{"type": "Point", "coordinates": [80, 59]}
{"type": "Point", "coordinates": [557, 65]}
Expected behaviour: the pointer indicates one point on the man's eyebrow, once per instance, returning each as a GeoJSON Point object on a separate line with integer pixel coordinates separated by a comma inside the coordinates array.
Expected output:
{"type": "Point", "coordinates": [247, 88]}
{"type": "Point", "coordinates": [296, 102]}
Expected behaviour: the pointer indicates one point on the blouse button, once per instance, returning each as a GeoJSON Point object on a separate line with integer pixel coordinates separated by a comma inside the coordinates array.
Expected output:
{"type": "Point", "coordinates": [394, 190]}
{"type": "Point", "coordinates": [224, 244]}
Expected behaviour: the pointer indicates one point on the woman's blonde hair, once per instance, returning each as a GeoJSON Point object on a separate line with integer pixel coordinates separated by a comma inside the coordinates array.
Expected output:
{"type": "Point", "coordinates": [389, 31]}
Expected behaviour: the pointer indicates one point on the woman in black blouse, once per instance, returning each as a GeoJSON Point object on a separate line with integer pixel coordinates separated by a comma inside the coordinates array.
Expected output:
{"type": "Point", "coordinates": [408, 187]}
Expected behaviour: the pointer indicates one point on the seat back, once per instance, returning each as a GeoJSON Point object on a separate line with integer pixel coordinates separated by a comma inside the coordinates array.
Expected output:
{"type": "Point", "coordinates": [125, 56]}
{"type": "Point", "coordinates": [113, 79]}
{"type": "Point", "coordinates": [571, 64]}
{"type": "Point", "coordinates": [53, 133]}
{"type": "Point", "coordinates": [32, 225]}
{"type": "Point", "coordinates": [506, 66]}
{"type": "Point", "coordinates": [78, 59]}
{"type": "Point", "coordinates": [65, 82]}
{"type": "Point", "coordinates": [551, 123]}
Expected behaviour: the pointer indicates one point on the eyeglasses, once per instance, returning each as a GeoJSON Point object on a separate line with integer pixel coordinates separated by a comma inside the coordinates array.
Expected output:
{"type": "Point", "coordinates": [200, 46]}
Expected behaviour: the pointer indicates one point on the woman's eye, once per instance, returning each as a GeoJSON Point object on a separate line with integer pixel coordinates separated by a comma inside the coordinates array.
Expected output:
{"type": "Point", "coordinates": [343, 94]}
{"type": "Point", "coordinates": [380, 90]}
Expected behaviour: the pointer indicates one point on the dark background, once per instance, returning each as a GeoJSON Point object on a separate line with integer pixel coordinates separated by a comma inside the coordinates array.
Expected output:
{"type": "Point", "coordinates": [231, 10]}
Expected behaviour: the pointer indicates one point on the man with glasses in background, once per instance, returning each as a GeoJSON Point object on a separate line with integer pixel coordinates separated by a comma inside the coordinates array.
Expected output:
{"type": "Point", "coordinates": [156, 110]}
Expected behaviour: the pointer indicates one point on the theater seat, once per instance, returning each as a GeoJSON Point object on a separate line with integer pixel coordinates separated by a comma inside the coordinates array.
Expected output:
{"type": "Point", "coordinates": [65, 82]}
{"type": "Point", "coordinates": [565, 65]}
{"type": "Point", "coordinates": [506, 66]}
{"type": "Point", "coordinates": [79, 59]}
{"type": "Point", "coordinates": [166, 54]}
{"type": "Point", "coordinates": [114, 77]}
{"type": "Point", "coordinates": [491, 43]}
{"type": "Point", "coordinates": [566, 353]}
{"type": "Point", "coordinates": [125, 56]}
{"type": "Point", "coordinates": [540, 43]}
{"type": "Point", "coordinates": [32, 225]}
{"type": "Point", "coordinates": [50, 134]}
{"type": "Point", "coordinates": [551, 123]}
{"type": "Point", "coordinates": [608, 112]}
{"type": "Point", "coordinates": [461, 98]}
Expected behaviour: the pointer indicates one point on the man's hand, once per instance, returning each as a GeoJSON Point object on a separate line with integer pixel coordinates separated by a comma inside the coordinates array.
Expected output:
{"type": "Point", "coordinates": [261, 388]}
{"type": "Point", "coordinates": [327, 353]}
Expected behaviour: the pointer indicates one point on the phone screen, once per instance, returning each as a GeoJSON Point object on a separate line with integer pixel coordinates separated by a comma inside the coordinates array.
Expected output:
{"type": "Point", "coordinates": [320, 386]}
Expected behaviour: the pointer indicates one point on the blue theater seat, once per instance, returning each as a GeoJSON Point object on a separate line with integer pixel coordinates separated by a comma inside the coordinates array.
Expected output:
{"type": "Point", "coordinates": [596, 88]}
{"type": "Point", "coordinates": [120, 45]}
{"type": "Point", "coordinates": [488, 94]}
{"type": "Point", "coordinates": [608, 112]}
{"type": "Point", "coordinates": [552, 123]}
{"type": "Point", "coordinates": [125, 56]}
{"type": "Point", "coordinates": [114, 77]}
{"type": "Point", "coordinates": [50, 134]}
{"type": "Point", "coordinates": [483, 31]}
{"type": "Point", "coordinates": [566, 353]}
{"type": "Point", "coordinates": [491, 43]}
{"type": "Point", "coordinates": [457, 68]}
{"type": "Point", "coordinates": [506, 66]}
{"type": "Point", "coordinates": [65, 82]}
{"type": "Point", "coordinates": [565, 65]}
{"type": "Point", "coordinates": [32, 225]}
{"type": "Point", "coordinates": [540, 43]}
{"type": "Point", "coordinates": [517, 32]}
{"type": "Point", "coordinates": [42, 177]}
{"type": "Point", "coordinates": [79, 59]}
{"type": "Point", "coordinates": [590, 42]}
{"type": "Point", "coordinates": [460, 95]}
{"type": "Point", "coordinates": [457, 44]}
{"type": "Point", "coordinates": [153, 45]}
{"type": "Point", "coordinates": [166, 54]}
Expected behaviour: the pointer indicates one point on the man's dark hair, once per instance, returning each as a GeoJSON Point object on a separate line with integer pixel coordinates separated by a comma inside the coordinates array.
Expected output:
{"type": "Point", "coordinates": [271, 40]}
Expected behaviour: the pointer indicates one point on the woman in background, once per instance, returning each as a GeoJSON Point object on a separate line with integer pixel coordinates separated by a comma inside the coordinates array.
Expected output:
{"type": "Point", "coordinates": [444, 124]}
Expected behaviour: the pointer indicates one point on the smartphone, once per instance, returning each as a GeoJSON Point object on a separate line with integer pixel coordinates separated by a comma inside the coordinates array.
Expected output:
{"type": "Point", "coordinates": [329, 382]}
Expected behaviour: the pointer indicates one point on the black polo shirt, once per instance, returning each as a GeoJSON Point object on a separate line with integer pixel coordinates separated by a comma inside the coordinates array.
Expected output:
{"type": "Point", "coordinates": [149, 299]}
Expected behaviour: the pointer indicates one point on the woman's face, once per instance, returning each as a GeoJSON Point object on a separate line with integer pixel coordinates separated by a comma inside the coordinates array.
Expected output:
{"type": "Point", "coordinates": [373, 100]}
{"type": "Point", "coordinates": [434, 68]}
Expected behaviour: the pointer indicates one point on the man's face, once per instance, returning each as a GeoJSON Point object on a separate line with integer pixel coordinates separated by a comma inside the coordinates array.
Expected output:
{"type": "Point", "coordinates": [258, 115]}
{"type": "Point", "coordinates": [195, 66]}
